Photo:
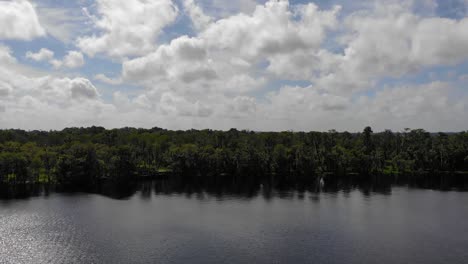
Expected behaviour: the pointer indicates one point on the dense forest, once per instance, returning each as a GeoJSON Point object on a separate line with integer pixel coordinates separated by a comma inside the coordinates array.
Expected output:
{"type": "Point", "coordinates": [82, 157]}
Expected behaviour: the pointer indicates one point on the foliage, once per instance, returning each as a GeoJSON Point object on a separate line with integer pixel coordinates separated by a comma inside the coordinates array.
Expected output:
{"type": "Point", "coordinates": [81, 157]}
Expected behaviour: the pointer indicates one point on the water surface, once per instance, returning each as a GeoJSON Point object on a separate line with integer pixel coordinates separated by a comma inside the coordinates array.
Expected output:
{"type": "Point", "coordinates": [158, 224]}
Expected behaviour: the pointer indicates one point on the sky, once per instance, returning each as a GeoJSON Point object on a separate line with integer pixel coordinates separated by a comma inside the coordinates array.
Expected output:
{"type": "Point", "coordinates": [261, 65]}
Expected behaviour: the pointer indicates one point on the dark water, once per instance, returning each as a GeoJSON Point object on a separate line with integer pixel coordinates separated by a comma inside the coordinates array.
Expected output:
{"type": "Point", "coordinates": [254, 222]}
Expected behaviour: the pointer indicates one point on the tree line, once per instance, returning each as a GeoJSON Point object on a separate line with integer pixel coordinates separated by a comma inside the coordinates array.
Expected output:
{"type": "Point", "coordinates": [81, 157]}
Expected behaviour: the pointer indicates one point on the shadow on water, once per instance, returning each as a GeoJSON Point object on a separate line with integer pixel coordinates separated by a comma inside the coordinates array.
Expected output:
{"type": "Point", "coordinates": [246, 187]}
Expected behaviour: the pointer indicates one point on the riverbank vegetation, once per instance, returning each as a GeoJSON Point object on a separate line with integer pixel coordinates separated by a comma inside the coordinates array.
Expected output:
{"type": "Point", "coordinates": [82, 157]}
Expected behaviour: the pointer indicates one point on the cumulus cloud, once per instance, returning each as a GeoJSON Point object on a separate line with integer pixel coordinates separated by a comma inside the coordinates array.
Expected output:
{"type": "Point", "coordinates": [240, 107]}
{"type": "Point", "coordinates": [103, 78]}
{"type": "Point", "coordinates": [73, 59]}
{"type": "Point", "coordinates": [5, 89]}
{"type": "Point", "coordinates": [392, 42]}
{"type": "Point", "coordinates": [19, 20]}
{"type": "Point", "coordinates": [171, 104]}
{"type": "Point", "coordinates": [220, 8]}
{"type": "Point", "coordinates": [272, 29]}
{"type": "Point", "coordinates": [385, 41]}
{"type": "Point", "coordinates": [127, 27]}
{"type": "Point", "coordinates": [222, 58]}
{"type": "Point", "coordinates": [299, 100]}
{"type": "Point", "coordinates": [199, 19]}
{"type": "Point", "coordinates": [42, 55]}
{"type": "Point", "coordinates": [62, 23]}
{"type": "Point", "coordinates": [274, 66]}
{"type": "Point", "coordinates": [232, 57]}
{"type": "Point", "coordinates": [82, 89]}
{"type": "Point", "coordinates": [180, 58]}
{"type": "Point", "coordinates": [428, 106]}
{"type": "Point", "coordinates": [34, 99]}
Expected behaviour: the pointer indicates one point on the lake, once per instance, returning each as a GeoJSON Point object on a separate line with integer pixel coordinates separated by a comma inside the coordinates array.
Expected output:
{"type": "Point", "coordinates": [161, 222]}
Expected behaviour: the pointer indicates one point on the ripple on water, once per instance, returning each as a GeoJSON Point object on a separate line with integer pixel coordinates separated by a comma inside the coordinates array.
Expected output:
{"type": "Point", "coordinates": [406, 226]}
{"type": "Point", "coordinates": [40, 238]}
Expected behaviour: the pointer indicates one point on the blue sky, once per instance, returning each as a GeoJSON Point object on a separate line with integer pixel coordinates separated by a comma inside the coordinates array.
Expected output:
{"type": "Point", "coordinates": [338, 63]}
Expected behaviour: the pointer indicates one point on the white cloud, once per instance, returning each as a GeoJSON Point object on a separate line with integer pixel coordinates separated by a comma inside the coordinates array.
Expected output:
{"type": "Point", "coordinates": [233, 69]}
{"type": "Point", "coordinates": [32, 99]}
{"type": "Point", "coordinates": [218, 68]}
{"type": "Point", "coordinates": [222, 59]}
{"type": "Point", "coordinates": [428, 106]}
{"type": "Point", "coordinates": [61, 23]}
{"type": "Point", "coordinates": [127, 27]}
{"type": "Point", "coordinates": [103, 78]}
{"type": "Point", "coordinates": [63, 92]}
{"type": "Point", "coordinates": [199, 19]}
{"type": "Point", "coordinates": [5, 89]}
{"type": "Point", "coordinates": [18, 20]}
{"type": "Point", "coordinates": [182, 58]}
{"type": "Point", "coordinates": [73, 59]}
{"type": "Point", "coordinates": [272, 29]}
{"type": "Point", "coordinates": [171, 104]}
{"type": "Point", "coordinates": [392, 42]}
{"type": "Point", "coordinates": [220, 8]}
{"type": "Point", "coordinates": [82, 89]}
{"type": "Point", "coordinates": [42, 55]}
{"type": "Point", "coordinates": [5, 54]}
{"type": "Point", "coordinates": [387, 40]}
{"type": "Point", "coordinates": [290, 101]}
{"type": "Point", "coordinates": [240, 107]}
